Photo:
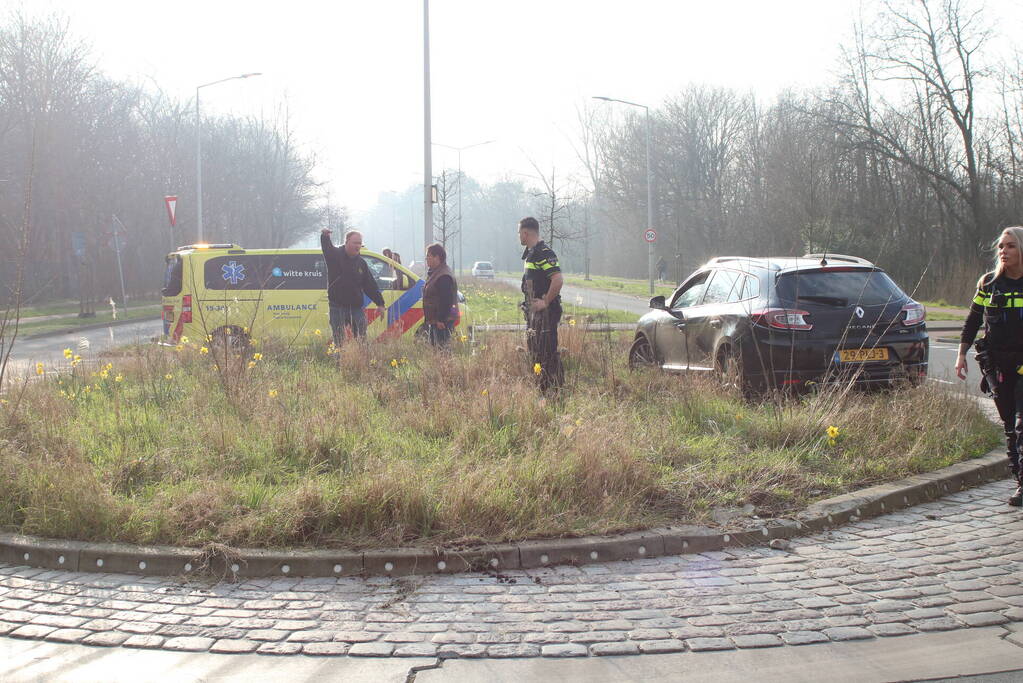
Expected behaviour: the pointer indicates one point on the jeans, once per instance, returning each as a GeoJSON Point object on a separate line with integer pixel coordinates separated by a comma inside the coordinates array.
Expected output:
{"type": "Point", "coordinates": [352, 317]}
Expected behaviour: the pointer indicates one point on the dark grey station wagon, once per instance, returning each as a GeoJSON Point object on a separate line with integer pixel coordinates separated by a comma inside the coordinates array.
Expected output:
{"type": "Point", "coordinates": [766, 323]}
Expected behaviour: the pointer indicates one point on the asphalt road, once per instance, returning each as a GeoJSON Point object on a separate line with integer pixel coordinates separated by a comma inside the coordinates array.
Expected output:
{"type": "Point", "coordinates": [86, 343]}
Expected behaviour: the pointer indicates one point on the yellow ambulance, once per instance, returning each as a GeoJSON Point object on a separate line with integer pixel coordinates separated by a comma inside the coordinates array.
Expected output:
{"type": "Point", "coordinates": [230, 294]}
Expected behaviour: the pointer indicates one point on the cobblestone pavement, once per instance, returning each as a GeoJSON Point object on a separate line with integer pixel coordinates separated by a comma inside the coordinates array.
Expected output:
{"type": "Point", "coordinates": [951, 564]}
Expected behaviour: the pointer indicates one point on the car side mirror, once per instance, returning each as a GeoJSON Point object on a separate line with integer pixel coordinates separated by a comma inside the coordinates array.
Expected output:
{"type": "Point", "coordinates": [657, 302]}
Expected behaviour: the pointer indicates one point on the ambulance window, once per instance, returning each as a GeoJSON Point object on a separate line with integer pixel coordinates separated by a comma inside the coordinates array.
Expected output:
{"type": "Point", "coordinates": [284, 271]}
{"type": "Point", "coordinates": [386, 275]}
{"type": "Point", "coordinates": [172, 276]}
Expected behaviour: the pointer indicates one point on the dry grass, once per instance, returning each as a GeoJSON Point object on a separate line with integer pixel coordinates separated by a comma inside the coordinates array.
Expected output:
{"type": "Point", "coordinates": [391, 444]}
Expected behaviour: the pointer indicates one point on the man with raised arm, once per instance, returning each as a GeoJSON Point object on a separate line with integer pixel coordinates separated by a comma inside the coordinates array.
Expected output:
{"type": "Point", "coordinates": [348, 279]}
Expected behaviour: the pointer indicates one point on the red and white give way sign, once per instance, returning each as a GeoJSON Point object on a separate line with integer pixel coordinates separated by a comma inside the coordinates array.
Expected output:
{"type": "Point", "coordinates": [172, 204]}
{"type": "Point", "coordinates": [650, 235]}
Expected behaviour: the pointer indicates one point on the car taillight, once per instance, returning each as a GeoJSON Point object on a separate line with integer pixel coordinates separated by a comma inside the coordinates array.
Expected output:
{"type": "Point", "coordinates": [782, 318]}
{"type": "Point", "coordinates": [186, 308]}
{"type": "Point", "coordinates": [915, 314]}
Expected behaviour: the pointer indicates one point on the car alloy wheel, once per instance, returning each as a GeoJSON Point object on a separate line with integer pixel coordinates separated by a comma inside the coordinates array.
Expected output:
{"type": "Point", "coordinates": [729, 370]}
{"type": "Point", "coordinates": [641, 354]}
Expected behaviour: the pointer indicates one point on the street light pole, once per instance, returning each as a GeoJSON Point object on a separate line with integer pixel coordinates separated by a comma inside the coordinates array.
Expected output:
{"type": "Point", "coordinates": [649, 186]}
{"type": "Point", "coordinates": [198, 147]}
{"type": "Point", "coordinates": [427, 134]}
{"type": "Point", "coordinates": [459, 150]}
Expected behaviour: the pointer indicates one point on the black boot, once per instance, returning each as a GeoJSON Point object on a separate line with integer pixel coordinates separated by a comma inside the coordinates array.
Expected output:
{"type": "Point", "coordinates": [1012, 452]}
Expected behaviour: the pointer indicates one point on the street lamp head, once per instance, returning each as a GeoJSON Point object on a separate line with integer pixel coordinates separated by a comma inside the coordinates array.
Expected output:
{"type": "Point", "coordinates": [255, 73]}
{"type": "Point", "coordinates": [600, 97]}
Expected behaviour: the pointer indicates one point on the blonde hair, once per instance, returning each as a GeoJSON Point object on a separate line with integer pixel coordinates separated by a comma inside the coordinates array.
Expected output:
{"type": "Point", "coordinates": [1016, 232]}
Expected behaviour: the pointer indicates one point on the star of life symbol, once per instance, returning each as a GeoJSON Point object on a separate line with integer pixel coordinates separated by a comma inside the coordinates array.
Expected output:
{"type": "Point", "coordinates": [233, 272]}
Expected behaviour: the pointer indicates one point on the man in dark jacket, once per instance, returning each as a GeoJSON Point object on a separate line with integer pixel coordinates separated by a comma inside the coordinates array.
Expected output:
{"type": "Point", "coordinates": [348, 278]}
{"type": "Point", "coordinates": [439, 296]}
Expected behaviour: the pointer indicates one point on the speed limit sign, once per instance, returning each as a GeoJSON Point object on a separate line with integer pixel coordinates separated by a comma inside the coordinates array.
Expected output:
{"type": "Point", "coordinates": [650, 235]}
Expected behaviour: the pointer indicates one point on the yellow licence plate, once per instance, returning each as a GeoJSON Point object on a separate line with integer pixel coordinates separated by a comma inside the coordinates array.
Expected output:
{"type": "Point", "coordinates": [862, 355]}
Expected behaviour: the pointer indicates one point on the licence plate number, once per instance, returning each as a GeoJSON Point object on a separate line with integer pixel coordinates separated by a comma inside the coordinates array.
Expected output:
{"type": "Point", "coordinates": [862, 355]}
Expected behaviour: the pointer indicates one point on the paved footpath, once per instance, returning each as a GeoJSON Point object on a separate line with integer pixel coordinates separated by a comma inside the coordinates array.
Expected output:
{"type": "Point", "coordinates": [948, 565]}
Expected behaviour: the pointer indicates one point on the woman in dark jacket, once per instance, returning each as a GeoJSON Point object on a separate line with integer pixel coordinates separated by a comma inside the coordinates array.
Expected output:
{"type": "Point", "coordinates": [998, 306]}
{"type": "Point", "coordinates": [440, 302]}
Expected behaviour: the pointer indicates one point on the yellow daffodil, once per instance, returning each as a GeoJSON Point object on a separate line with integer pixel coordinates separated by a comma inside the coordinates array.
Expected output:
{"type": "Point", "coordinates": [463, 339]}
{"type": "Point", "coordinates": [184, 339]}
{"type": "Point", "coordinates": [257, 356]}
{"type": "Point", "coordinates": [245, 330]}
{"type": "Point", "coordinates": [536, 368]}
{"type": "Point", "coordinates": [483, 393]}
{"type": "Point", "coordinates": [88, 388]}
{"type": "Point", "coordinates": [317, 333]}
{"type": "Point", "coordinates": [272, 393]}
{"type": "Point", "coordinates": [179, 347]}
{"type": "Point", "coordinates": [68, 353]}
{"type": "Point", "coordinates": [833, 432]}
{"type": "Point", "coordinates": [252, 364]}
{"type": "Point", "coordinates": [77, 359]}
{"type": "Point", "coordinates": [394, 362]}
{"type": "Point", "coordinates": [168, 376]}
{"type": "Point", "coordinates": [203, 350]}
{"type": "Point", "coordinates": [209, 338]}
{"type": "Point", "coordinates": [40, 369]}
{"type": "Point", "coordinates": [103, 373]}
{"type": "Point", "coordinates": [572, 322]}
{"type": "Point", "coordinates": [108, 366]}
{"type": "Point", "coordinates": [119, 378]}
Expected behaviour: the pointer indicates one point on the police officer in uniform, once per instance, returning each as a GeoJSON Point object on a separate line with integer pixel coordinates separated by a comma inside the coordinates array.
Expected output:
{"type": "Point", "coordinates": [998, 305]}
{"type": "Point", "coordinates": [541, 287]}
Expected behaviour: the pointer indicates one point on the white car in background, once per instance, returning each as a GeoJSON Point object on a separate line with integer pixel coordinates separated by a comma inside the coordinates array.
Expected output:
{"type": "Point", "coordinates": [483, 269]}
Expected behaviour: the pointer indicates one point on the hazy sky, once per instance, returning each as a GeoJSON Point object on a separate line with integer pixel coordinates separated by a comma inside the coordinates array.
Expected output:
{"type": "Point", "coordinates": [351, 72]}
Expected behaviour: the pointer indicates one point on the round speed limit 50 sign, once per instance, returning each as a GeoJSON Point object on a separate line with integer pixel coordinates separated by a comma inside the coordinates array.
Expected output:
{"type": "Point", "coordinates": [650, 235]}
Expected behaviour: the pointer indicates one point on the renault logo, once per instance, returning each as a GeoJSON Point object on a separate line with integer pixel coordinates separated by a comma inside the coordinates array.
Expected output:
{"type": "Point", "coordinates": [859, 312]}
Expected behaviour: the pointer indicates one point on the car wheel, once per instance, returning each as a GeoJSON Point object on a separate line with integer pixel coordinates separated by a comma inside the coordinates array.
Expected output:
{"type": "Point", "coordinates": [641, 354]}
{"type": "Point", "coordinates": [728, 368]}
{"type": "Point", "coordinates": [229, 338]}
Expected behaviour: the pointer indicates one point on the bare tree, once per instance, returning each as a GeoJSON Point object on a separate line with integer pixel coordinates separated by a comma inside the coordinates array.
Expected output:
{"type": "Point", "coordinates": [445, 218]}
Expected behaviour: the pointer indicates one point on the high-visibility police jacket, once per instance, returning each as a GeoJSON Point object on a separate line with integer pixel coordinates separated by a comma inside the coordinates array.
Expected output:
{"type": "Point", "coordinates": [541, 265]}
{"type": "Point", "coordinates": [998, 305]}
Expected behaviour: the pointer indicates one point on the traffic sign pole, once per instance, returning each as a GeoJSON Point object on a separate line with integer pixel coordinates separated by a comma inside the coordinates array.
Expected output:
{"type": "Point", "coordinates": [650, 235]}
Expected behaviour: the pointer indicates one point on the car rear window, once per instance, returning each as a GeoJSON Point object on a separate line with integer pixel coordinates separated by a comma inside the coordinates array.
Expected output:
{"type": "Point", "coordinates": [484, 265]}
{"type": "Point", "coordinates": [839, 287]}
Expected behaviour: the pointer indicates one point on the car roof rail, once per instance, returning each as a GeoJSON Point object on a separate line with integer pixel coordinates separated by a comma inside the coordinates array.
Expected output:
{"type": "Point", "coordinates": [838, 257]}
{"type": "Point", "coordinates": [759, 261]}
